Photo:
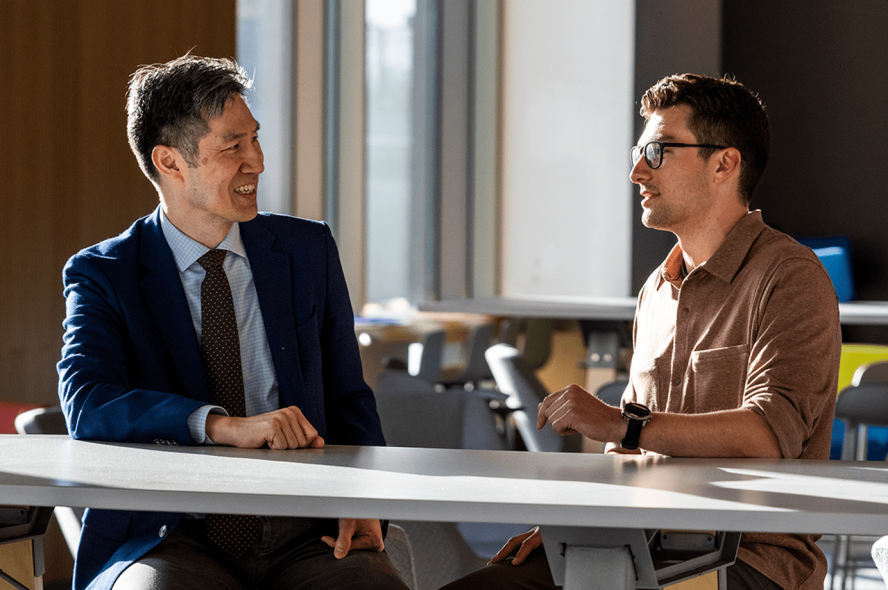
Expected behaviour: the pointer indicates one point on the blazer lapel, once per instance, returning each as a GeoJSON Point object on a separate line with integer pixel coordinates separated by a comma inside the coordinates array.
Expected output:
{"type": "Point", "coordinates": [273, 278]}
{"type": "Point", "coordinates": [165, 299]}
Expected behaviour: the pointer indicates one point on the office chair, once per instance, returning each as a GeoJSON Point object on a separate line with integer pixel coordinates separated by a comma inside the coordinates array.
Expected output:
{"type": "Point", "coordinates": [399, 550]}
{"type": "Point", "coordinates": [424, 359]}
{"type": "Point", "coordinates": [862, 404]}
{"type": "Point", "coordinates": [414, 414]}
{"type": "Point", "coordinates": [516, 378]}
{"type": "Point", "coordinates": [52, 421]}
{"type": "Point", "coordinates": [474, 369]}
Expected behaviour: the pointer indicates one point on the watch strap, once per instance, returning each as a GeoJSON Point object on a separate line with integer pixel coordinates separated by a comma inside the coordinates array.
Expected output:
{"type": "Point", "coordinates": [633, 434]}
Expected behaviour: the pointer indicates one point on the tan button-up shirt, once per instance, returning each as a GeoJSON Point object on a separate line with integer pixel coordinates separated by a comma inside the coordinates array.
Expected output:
{"type": "Point", "coordinates": [756, 326]}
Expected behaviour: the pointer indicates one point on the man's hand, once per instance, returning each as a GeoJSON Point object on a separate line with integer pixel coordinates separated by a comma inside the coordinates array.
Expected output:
{"type": "Point", "coordinates": [521, 545]}
{"type": "Point", "coordinates": [573, 409]}
{"type": "Point", "coordinates": [356, 535]}
{"type": "Point", "coordinates": [286, 428]}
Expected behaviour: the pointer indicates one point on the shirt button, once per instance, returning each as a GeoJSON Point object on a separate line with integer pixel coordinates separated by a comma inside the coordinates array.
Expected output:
{"type": "Point", "coordinates": [676, 381]}
{"type": "Point", "coordinates": [162, 532]}
{"type": "Point", "coordinates": [685, 311]}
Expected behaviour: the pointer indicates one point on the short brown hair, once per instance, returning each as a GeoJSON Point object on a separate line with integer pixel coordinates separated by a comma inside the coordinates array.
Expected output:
{"type": "Point", "coordinates": [724, 112]}
{"type": "Point", "coordinates": [170, 104]}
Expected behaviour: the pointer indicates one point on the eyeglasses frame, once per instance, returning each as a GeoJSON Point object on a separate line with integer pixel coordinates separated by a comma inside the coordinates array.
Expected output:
{"type": "Point", "coordinates": [665, 144]}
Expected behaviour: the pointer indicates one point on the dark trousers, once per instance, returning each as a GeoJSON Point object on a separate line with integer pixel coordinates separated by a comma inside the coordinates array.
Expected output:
{"type": "Point", "coordinates": [289, 556]}
{"type": "Point", "coordinates": [534, 574]}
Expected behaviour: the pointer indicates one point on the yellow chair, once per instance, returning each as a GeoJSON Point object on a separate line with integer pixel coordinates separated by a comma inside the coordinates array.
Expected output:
{"type": "Point", "coordinates": [855, 355]}
{"type": "Point", "coordinates": [860, 365]}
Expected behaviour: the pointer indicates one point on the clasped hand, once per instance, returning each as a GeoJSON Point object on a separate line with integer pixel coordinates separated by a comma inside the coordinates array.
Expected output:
{"type": "Point", "coordinates": [573, 409]}
{"type": "Point", "coordinates": [286, 428]}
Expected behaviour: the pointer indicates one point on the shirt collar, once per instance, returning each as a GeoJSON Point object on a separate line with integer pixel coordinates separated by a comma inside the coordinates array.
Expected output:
{"type": "Point", "coordinates": [186, 251]}
{"type": "Point", "coordinates": [726, 261]}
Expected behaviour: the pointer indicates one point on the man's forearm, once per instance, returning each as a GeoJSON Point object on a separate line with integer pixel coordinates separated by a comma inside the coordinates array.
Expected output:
{"type": "Point", "coordinates": [732, 433]}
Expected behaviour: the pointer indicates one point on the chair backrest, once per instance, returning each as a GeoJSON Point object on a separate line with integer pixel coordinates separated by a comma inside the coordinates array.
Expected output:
{"type": "Point", "coordinates": [834, 253]}
{"type": "Point", "coordinates": [52, 421]}
{"type": "Point", "coordinates": [413, 414]}
{"type": "Point", "coordinates": [397, 545]}
{"type": "Point", "coordinates": [861, 406]}
{"type": "Point", "coordinates": [537, 342]}
{"type": "Point", "coordinates": [515, 378]}
{"type": "Point", "coordinates": [477, 343]}
{"type": "Point", "coordinates": [855, 356]}
{"type": "Point", "coordinates": [41, 421]}
{"type": "Point", "coordinates": [440, 552]}
{"type": "Point", "coordinates": [424, 359]}
{"type": "Point", "coordinates": [876, 372]}
{"type": "Point", "coordinates": [537, 339]}
{"type": "Point", "coordinates": [864, 405]}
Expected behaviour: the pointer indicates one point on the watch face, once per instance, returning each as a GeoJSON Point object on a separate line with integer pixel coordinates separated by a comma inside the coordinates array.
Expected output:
{"type": "Point", "coordinates": [636, 411]}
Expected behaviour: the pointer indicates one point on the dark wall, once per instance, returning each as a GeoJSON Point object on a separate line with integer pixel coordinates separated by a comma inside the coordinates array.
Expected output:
{"type": "Point", "coordinates": [70, 178]}
{"type": "Point", "coordinates": [671, 37]}
{"type": "Point", "coordinates": [822, 70]}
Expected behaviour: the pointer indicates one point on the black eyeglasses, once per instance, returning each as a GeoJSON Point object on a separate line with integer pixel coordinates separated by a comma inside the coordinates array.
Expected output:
{"type": "Point", "coordinates": [653, 151]}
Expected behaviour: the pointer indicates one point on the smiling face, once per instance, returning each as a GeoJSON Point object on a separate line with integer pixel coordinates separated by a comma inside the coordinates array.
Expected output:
{"type": "Point", "coordinates": [677, 196]}
{"type": "Point", "coordinates": [221, 189]}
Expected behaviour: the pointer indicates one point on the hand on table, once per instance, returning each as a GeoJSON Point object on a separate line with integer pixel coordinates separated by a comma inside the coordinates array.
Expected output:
{"type": "Point", "coordinates": [286, 428]}
{"type": "Point", "coordinates": [521, 545]}
{"type": "Point", "coordinates": [356, 535]}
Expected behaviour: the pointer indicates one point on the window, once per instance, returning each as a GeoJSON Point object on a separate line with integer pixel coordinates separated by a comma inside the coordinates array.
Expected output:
{"type": "Point", "coordinates": [400, 124]}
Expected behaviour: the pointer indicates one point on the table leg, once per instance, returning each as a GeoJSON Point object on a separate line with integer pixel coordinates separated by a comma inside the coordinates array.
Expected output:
{"type": "Point", "coordinates": [595, 568]}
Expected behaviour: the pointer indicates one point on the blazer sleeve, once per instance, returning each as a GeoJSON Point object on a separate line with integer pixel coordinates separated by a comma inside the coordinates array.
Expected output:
{"type": "Point", "coordinates": [350, 407]}
{"type": "Point", "coordinates": [112, 386]}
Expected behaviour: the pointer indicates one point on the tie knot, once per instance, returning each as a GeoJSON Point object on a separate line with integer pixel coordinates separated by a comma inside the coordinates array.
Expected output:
{"type": "Point", "coordinates": [212, 259]}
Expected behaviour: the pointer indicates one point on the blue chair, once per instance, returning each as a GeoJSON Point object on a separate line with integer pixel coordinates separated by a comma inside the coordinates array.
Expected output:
{"type": "Point", "coordinates": [835, 254]}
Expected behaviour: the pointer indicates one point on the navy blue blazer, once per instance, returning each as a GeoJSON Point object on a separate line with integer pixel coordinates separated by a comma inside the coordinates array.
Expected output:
{"type": "Point", "coordinates": [131, 369]}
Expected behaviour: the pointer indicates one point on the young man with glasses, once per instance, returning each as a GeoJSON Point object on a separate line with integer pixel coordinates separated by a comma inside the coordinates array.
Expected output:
{"type": "Point", "coordinates": [736, 336]}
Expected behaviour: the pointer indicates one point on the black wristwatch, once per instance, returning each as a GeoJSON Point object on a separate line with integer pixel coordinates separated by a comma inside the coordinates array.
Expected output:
{"type": "Point", "coordinates": [637, 416]}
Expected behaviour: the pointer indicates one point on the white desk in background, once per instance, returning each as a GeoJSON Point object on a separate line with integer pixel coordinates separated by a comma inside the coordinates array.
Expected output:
{"type": "Point", "coordinates": [864, 313]}
{"type": "Point", "coordinates": [871, 313]}
{"type": "Point", "coordinates": [588, 505]}
{"type": "Point", "coordinates": [543, 306]}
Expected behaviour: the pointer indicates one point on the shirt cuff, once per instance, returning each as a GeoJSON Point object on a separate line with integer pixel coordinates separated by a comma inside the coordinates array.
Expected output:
{"type": "Point", "coordinates": [197, 423]}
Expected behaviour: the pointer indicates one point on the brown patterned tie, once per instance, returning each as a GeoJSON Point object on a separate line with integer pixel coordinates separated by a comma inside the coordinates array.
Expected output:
{"type": "Point", "coordinates": [220, 347]}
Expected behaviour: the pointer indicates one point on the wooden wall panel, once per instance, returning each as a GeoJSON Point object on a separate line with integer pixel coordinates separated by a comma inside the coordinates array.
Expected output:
{"type": "Point", "coordinates": [71, 179]}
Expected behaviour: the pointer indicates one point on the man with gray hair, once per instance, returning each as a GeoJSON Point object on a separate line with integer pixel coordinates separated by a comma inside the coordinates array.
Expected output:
{"type": "Point", "coordinates": [207, 322]}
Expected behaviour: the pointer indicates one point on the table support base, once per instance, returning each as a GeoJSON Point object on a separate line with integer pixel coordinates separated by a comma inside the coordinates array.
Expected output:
{"type": "Point", "coordinates": [595, 568]}
{"type": "Point", "coordinates": [603, 558]}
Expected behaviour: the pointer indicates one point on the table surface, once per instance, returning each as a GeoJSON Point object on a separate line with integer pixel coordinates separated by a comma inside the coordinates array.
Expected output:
{"type": "Point", "coordinates": [611, 308]}
{"type": "Point", "coordinates": [446, 485]}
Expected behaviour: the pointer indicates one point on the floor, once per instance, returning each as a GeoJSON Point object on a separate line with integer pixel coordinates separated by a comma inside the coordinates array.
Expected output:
{"type": "Point", "coordinates": [867, 577]}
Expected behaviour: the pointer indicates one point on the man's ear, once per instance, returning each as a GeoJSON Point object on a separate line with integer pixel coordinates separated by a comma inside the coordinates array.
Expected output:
{"type": "Point", "coordinates": [169, 162]}
{"type": "Point", "coordinates": [729, 163]}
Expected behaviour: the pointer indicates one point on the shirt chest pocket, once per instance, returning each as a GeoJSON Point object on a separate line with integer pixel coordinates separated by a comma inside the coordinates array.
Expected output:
{"type": "Point", "coordinates": [719, 377]}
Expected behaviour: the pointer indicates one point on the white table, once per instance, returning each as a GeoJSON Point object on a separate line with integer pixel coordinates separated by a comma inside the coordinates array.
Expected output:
{"type": "Point", "coordinates": [576, 497]}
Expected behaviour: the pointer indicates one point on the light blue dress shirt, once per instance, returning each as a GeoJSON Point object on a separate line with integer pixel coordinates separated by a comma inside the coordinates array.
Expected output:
{"type": "Point", "coordinates": [260, 382]}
